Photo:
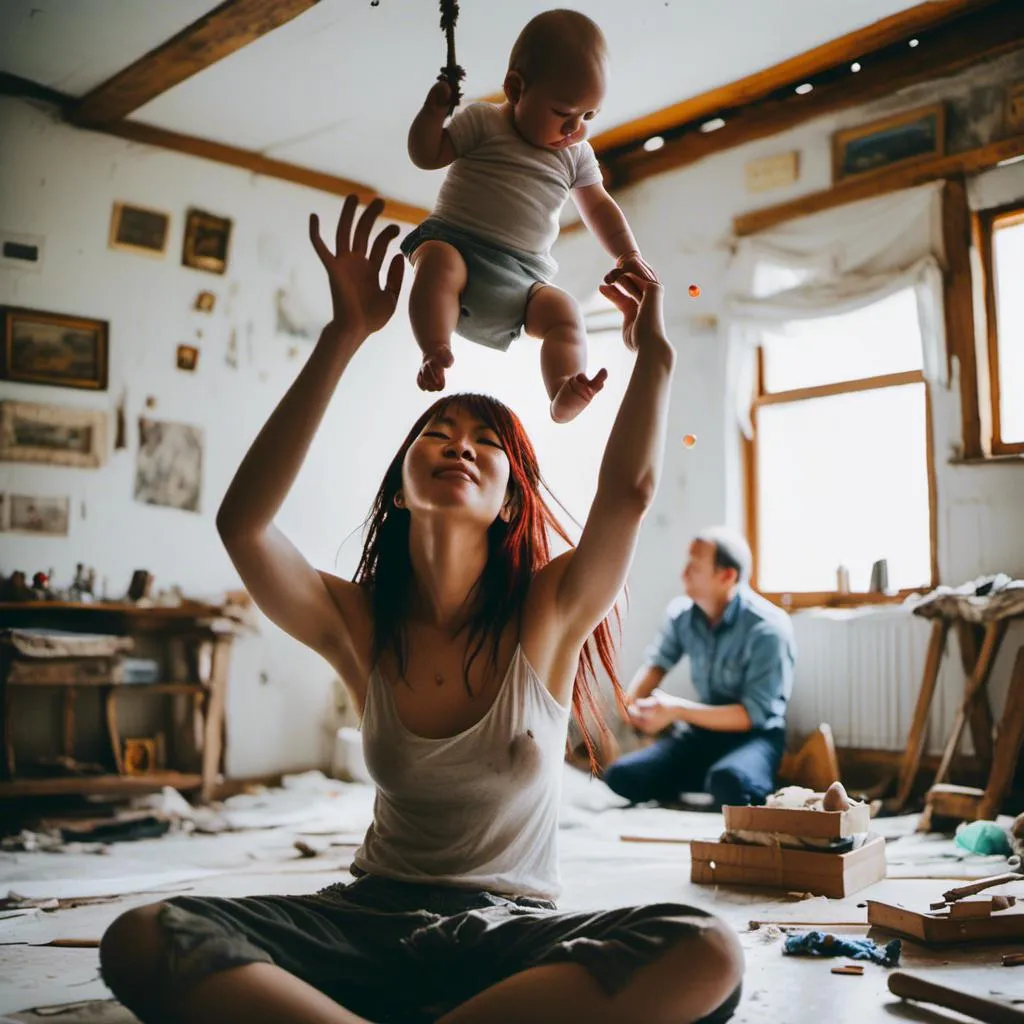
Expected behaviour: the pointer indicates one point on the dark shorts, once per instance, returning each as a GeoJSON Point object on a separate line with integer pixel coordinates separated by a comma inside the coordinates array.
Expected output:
{"type": "Point", "coordinates": [396, 951]}
{"type": "Point", "coordinates": [498, 282]}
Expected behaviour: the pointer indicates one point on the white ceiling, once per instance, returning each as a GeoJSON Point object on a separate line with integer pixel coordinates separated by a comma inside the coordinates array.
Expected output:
{"type": "Point", "coordinates": [335, 88]}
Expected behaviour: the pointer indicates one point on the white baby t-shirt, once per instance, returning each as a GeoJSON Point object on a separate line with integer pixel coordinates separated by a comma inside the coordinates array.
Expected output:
{"type": "Point", "coordinates": [505, 190]}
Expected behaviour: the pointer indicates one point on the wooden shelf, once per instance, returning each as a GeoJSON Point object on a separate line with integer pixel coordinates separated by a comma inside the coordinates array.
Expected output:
{"type": "Point", "coordinates": [99, 784]}
{"type": "Point", "coordinates": [118, 687]}
{"type": "Point", "coordinates": [186, 610]}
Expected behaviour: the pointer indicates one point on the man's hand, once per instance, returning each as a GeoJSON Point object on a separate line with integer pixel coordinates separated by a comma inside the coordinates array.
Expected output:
{"type": "Point", "coordinates": [655, 713]}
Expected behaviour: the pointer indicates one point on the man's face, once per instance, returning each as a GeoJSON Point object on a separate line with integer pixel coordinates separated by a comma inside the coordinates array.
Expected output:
{"type": "Point", "coordinates": [702, 580]}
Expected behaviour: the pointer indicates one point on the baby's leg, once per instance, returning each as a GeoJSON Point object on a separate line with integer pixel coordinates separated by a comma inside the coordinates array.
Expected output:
{"type": "Point", "coordinates": [554, 316]}
{"type": "Point", "coordinates": [434, 308]}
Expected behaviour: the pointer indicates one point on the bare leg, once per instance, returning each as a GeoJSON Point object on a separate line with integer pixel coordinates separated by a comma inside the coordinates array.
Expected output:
{"type": "Point", "coordinates": [133, 950]}
{"type": "Point", "coordinates": [434, 308]}
{"type": "Point", "coordinates": [553, 316]}
{"type": "Point", "coordinates": [689, 981]}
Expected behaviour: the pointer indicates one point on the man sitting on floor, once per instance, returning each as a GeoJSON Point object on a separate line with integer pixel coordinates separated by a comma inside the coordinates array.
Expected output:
{"type": "Point", "coordinates": [741, 653]}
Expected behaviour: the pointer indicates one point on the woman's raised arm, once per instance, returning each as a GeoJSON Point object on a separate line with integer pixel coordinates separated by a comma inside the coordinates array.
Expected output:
{"type": "Point", "coordinates": [315, 608]}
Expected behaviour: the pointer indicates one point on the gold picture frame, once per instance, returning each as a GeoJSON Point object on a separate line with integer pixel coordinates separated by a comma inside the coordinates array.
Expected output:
{"type": "Point", "coordinates": [54, 348]}
{"type": "Point", "coordinates": [139, 229]}
{"type": "Point", "coordinates": [907, 138]}
{"type": "Point", "coordinates": [54, 435]}
{"type": "Point", "coordinates": [207, 241]}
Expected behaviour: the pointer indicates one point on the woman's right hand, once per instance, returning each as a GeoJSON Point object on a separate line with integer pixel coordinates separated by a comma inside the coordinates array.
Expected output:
{"type": "Point", "coordinates": [361, 305]}
{"type": "Point", "coordinates": [641, 303]}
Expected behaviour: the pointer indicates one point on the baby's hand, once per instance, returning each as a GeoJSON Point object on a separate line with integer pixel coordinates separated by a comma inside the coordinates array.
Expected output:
{"type": "Point", "coordinates": [440, 96]}
{"type": "Point", "coordinates": [634, 263]}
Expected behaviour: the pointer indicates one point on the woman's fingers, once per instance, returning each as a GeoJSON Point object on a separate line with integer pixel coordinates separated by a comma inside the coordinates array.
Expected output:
{"type": "Point", "coordinates": [380, 245]}
{"type": "Point", "coordinates": [395, 274]}
{"type": "Point", "coordinates": [318, 243]}
{"type": "Point", "coordinates": [365, 225]}
{"type": "Point", "coordinates": [343, 235]}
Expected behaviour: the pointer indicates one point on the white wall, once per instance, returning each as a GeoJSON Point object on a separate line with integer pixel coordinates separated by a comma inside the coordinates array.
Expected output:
{"type": "Point", "coordinates": [683, 221]}
{"type": "Point", "coordinates": [60, 183]}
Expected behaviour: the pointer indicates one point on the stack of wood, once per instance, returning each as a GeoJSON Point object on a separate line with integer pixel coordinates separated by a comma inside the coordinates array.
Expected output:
{"type": "Point", "coordinates": [807, 848]}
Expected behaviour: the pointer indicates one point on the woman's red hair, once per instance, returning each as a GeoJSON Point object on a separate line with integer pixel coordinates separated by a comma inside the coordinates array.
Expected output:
{"type": "Point", "coordinates": [518, 549]}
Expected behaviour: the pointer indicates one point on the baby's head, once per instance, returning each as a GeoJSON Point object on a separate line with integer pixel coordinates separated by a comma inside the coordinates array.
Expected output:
{"type": "Point", "coordinates": [556, 78]}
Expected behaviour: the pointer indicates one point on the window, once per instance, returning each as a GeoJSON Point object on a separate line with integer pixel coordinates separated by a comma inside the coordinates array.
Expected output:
{"type": "Point", "coordinates": [839, 468]}
{"type": "Point", "coordinates": [1002, 250]}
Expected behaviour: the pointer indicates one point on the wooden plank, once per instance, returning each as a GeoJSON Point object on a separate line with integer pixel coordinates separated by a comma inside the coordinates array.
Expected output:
{"type": "Point", "coordinates": [216, 35]}
{"type": "Point", "coordinates": [989, 1011]}
{"type": "Point", "coordinates": [213, 726]}
{"type": "Point", "coordinates": [850, 47]}
{"type": "Point", "coordinates": [93, 784]}
{"type": "Point", "coordinates": [885, 380]}
{"type": "Point", "coordinates": [852, 190]}
{"type": "Point", "coordinates": [911, 760]}
{"type": "Point", "coordinates": [1008, 745]}
{"type": "Point", "coordinates": [248, 160]}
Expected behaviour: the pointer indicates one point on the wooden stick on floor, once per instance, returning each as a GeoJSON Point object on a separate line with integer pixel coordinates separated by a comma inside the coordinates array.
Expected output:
{"type": "Point", "coordinates": [911, 986]}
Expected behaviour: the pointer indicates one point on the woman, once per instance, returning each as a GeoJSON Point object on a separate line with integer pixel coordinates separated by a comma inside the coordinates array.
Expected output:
{"type": "Point", "coordinates": [463, 645]}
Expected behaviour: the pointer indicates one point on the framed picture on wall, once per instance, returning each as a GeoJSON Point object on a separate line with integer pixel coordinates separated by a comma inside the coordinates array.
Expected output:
{"type": "Point", "coordinates": [901, 139]}
{"type": "Point", "coordinates": [54, 435]}
{"type": "Point", "coordinates": [207, 239]}
{"type": "Point", "coordinates": [34, 514]}
{"type": "Point", "coordinates": [53, 348]}
{"type": "Point", "coordinates": [139, 229]}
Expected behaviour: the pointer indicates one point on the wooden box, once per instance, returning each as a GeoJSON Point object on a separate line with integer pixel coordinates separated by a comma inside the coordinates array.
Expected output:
{"type": "Point", "coordinates": [792, 821]}
{"type": "Point", "coordinates": [825, 874]}
{"type": "Point", "coordinates": [939, 928]}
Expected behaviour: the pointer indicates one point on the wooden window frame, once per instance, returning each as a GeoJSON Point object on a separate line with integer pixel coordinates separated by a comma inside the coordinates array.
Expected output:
{"type": "Point", "coordinates": [816, 599]}
{"type": "Point", "coordinates": [986, 222]}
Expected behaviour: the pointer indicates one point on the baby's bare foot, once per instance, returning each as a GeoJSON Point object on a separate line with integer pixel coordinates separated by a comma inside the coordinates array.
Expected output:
{"type": "Point", "coordinates": [575, 394]}
{"type": "Point", "coordinates": [431, 373]}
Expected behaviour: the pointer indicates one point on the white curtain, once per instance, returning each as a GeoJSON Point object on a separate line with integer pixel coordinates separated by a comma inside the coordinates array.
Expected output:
{"type": "Point", "coordinates": [835, 262]}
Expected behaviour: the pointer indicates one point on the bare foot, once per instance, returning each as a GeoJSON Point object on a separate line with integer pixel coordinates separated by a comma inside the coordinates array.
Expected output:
{"type": "Point", "coordinates": [431, 373]}
{"type": "Point", "coordinates": [575, 394]}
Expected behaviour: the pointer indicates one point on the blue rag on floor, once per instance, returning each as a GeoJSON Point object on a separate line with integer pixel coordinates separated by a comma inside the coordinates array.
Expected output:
{"type": "Point", "coordinates": [823, 944]}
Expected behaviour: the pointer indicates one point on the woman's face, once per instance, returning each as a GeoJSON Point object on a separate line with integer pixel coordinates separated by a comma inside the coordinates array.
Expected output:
{"type": "Point", "coordinates": [456, 465]}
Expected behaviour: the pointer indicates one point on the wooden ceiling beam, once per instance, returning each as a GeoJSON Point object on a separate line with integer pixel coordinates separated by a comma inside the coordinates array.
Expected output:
{"type": "Point", "coordinates": [881, 182]}
{"type": "Point", "coordinates": [136, 131]}
{"type": "Point", "coordinates": [150, 135]}
{"type": "Point", "coordinates": [844, 50]}
{"type": "Point", "coordinates": [224, 30]}
{"type": "Point", "coordinates": [985, 34]}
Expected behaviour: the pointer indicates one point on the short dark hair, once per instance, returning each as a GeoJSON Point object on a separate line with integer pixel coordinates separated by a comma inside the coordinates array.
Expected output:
{"type": "Point", "coordinates": [540, 48]}
{"type": "Point", "coordinates": [731, 550]}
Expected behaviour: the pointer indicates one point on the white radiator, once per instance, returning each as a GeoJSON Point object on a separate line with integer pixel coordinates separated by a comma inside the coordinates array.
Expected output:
{"type": "Point", "coordinates": [860, 670]}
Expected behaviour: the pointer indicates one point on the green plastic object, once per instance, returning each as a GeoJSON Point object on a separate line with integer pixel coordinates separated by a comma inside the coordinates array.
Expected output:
{"type": "Point", "coordinates": [983, 837]}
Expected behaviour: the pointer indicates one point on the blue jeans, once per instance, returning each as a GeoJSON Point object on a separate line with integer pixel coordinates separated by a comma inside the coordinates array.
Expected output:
{"type": "Point", "coordinates": [734, 767]}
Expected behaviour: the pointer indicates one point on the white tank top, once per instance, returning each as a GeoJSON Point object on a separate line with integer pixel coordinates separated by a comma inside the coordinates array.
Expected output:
{"type": "Point", "coordinates": [478, 809]}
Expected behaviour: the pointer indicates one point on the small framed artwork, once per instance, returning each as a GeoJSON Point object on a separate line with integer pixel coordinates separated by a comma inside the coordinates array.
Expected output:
{"type": "Point", "coordinates": [207, 239]}
{"type": "Point", "coordinates": [1015, 108]}
{"type": "Point", "coordinates": [139, 229]}
{"type": "Point", "coordinates": [55, 349]}
{"type": "Point", "coordinates": [902, 139]}
{"type": "Point", "coordinates": [52, 434]}
{"type": "Point", "coordinates": [188, 357]}
{"type": "Point", "coordinates": [45, 516]}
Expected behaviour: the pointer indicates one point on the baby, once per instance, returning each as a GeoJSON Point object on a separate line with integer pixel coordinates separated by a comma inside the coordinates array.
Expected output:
{"type": "Point", "coordinates": [483, 261]}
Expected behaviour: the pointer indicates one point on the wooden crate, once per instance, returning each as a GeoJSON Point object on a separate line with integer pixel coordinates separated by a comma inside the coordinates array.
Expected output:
{"type": "Point", "coordinates": [792, 821]}
{"type": "Point", "coordinates": [825, 874]}
{"type": "Point", "coordinates": [939, 928]}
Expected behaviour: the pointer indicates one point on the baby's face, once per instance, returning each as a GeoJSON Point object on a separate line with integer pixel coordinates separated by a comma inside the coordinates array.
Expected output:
{"type": "Point", "coordinates": [552, 113]}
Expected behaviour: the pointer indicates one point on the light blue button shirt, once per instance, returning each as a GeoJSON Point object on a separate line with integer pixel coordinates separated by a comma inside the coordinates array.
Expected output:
{"type": "Point", "coordinates": [746, 659]}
